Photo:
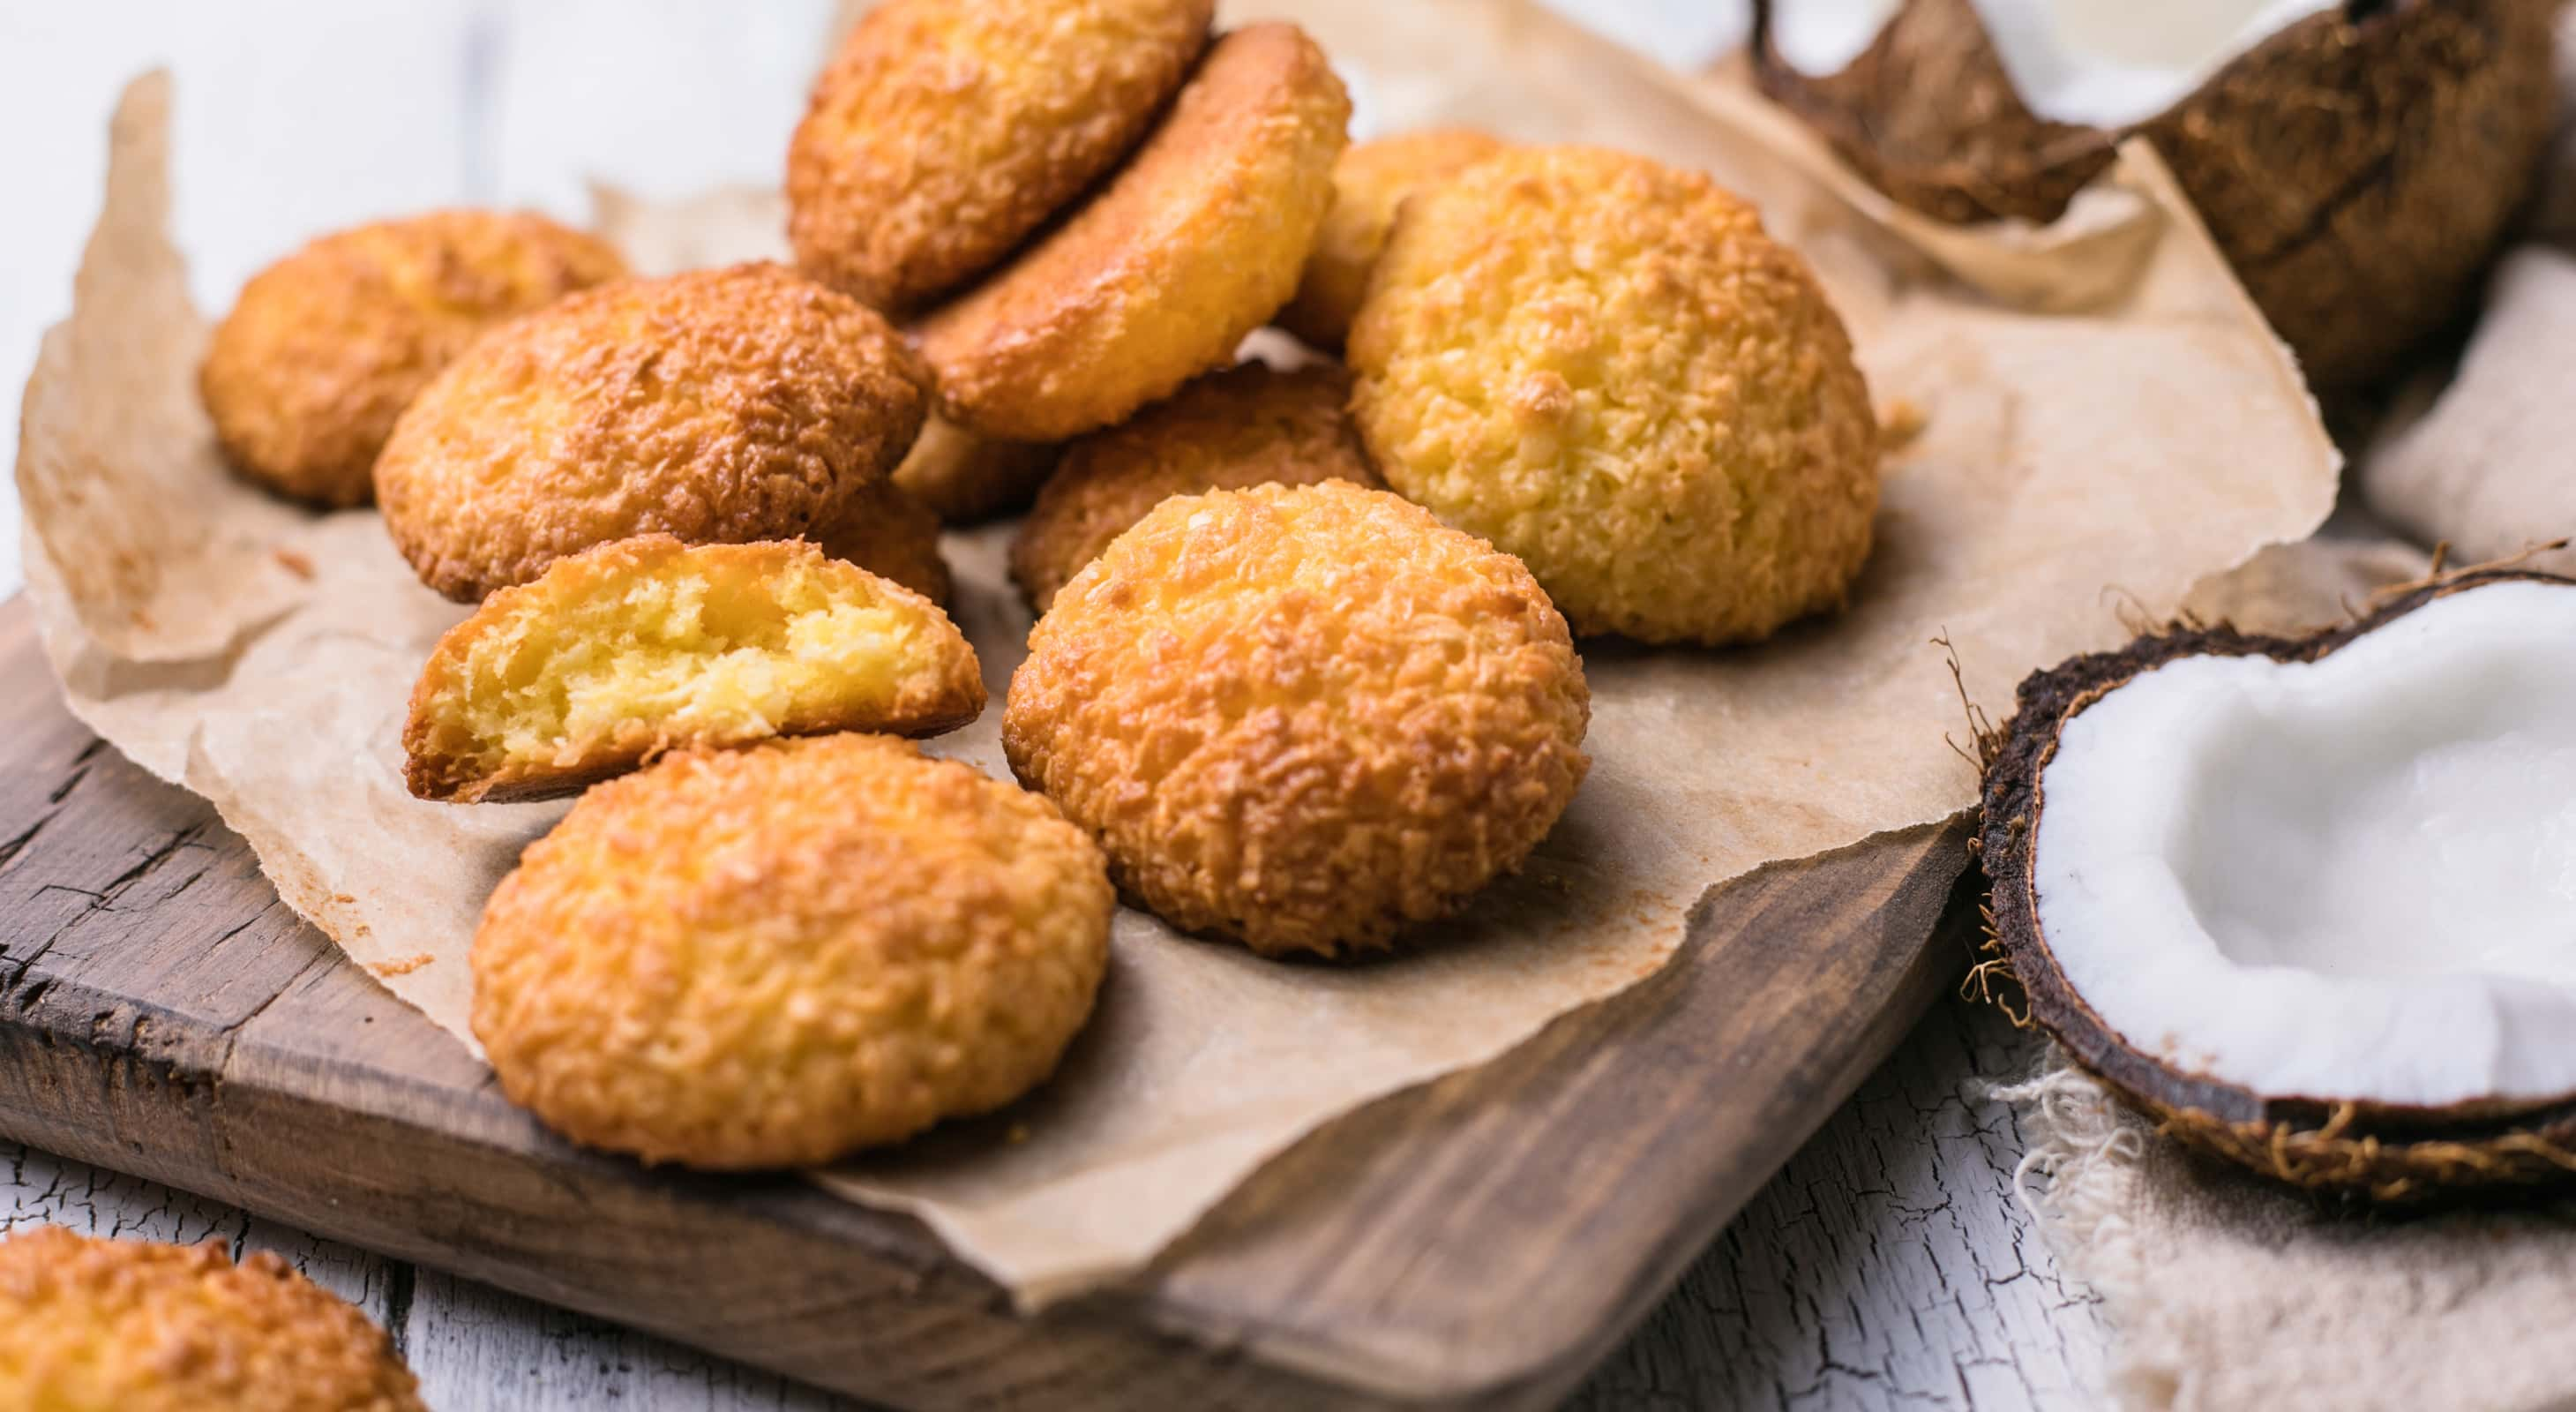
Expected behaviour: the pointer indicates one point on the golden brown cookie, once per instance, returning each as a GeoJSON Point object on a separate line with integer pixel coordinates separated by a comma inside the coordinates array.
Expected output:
{"type": "Point", "coordinates": [1604, 364]}
{"type": "Point", "coordinates": [775, 956]}
{"type": "Point", "coordinates": [324, 349]}
{"type": "Point", "coordinates": [91, 1325]}
{"type": "Point", "coordinates": [1194, 244]}
{"type": "Point", "coordinates": [1246, 426]}
{"type": "Point", "coordinates": [892, 535]}
{"type": "Point", "coordinates": [1305, 717]}
{"type": "Point", "coordinates": [621, 653]}
{"type": "Point", "coordinates": [719, 406]}
{"type": "Point", "coordinates": [946, 131]}
{"type": "Point", "coordinates": [963, 477]}
{"type": "Point", "coordinates": [1369, 182]}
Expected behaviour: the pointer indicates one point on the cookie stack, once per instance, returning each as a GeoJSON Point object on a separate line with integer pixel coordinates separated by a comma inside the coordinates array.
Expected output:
{"type": "Point", "coordinates": [1304, 676]}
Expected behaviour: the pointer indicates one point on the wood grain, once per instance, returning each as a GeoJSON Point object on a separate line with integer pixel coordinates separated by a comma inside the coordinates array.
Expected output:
{"type": "Point", "coordinates": [1480, 1240]}
{"type": "Point", "coordinates": [1887, 1266]}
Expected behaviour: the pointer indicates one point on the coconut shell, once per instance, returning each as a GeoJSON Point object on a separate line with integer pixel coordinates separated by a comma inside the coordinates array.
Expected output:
{"type": "Point", "coordinates": [2357, 168]}
{"type": "Point", "coordinates": [1928, 115]}
{"type": "Point", "coordinates": [2389, 1153]}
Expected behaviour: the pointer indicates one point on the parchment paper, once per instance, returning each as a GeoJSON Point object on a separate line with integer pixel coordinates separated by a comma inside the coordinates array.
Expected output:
{"type": "Point", "coordinates": [2068, 467]}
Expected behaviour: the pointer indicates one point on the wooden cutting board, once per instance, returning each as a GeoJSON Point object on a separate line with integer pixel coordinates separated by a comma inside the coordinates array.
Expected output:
{"type": "Point", "coordinates": [1478, 1241]}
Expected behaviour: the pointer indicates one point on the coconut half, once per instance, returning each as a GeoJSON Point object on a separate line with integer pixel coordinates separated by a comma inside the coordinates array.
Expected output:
{"type": "Point", "coordinates": [2356, 162]}
{"type": "Point", "coordinates": [2312, 902]}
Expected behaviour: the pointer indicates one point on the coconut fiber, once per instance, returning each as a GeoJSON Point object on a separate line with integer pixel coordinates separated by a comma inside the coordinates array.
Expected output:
{"type": "Point", "coordinates": [2232, 1291]}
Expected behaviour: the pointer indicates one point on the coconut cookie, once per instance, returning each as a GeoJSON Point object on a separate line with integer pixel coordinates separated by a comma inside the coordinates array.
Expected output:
{"type": "Point", "coordinates": [91, 1325]}
{"type": "Point", "coordinates": [776, 956]}
{"type": "Point", "coordinates": [1370, 181]}
{"type": "Point", "coordinates": [946, 131]}
{"type": "Point", "coordinates": [647, 645]}
{"type": "Point", "coordinates": [1194, 244]}
{"type": "Point", "coordinates": [325, 348]}
{"type": "Point", "coordinates": [719, 406]}
{"type": "Point", "coordinates": [1247, 426]}
{"type": "Point", "coordinates": [891, 535]}
{"type": "Point", "coordinates": [963, 477]}
{"type": "Point", "coordinates": [1606, 366]}
{"type": "Point", "coordinates": [1303, 717]}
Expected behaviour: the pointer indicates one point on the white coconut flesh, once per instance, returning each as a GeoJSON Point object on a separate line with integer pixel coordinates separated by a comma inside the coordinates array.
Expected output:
{"type": "Point", "coordinates": [2094, 63]}
{"type": "Point", "coordinates": [2348, 879]}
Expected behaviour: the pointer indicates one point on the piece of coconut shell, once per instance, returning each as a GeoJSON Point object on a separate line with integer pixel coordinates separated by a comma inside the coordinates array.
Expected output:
{"type": "Point", "coordinates": [2382, 1152]}
{"type": "Point", "coordinates": [2357, 168]}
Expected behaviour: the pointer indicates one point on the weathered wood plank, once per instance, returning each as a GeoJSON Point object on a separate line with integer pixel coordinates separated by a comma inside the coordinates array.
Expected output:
{"type": "Point", "coordinates": [1833, 1288]}
{"type": "Point", "coordinates": [1482, 1240]}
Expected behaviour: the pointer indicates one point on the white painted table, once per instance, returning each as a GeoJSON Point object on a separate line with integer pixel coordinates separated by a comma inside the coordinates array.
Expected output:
{"type": "Point", "coordinates": [1888, 1266]}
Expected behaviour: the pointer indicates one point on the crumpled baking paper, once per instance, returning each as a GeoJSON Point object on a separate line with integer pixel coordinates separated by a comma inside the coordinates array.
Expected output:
{"type": "Point", "coordinates": [2067, 466]}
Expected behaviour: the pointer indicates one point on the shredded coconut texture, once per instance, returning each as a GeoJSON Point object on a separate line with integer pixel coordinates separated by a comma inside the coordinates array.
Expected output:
{"type": "Point", "coordinates": [1302, 717]}
{"type": "Point", "coordinates": [91, 1325]}
{"type": "Point", "coordinates": [2227, 1290]}
{"type": "Point", "coordinates": [774, 956]}
{"type": "Point", "coordinates": [1604, 365]}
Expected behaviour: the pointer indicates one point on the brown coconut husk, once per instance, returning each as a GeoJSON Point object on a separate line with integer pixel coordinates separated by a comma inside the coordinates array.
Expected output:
{"type": "Point", "coordinates": [2389, 1153]}
{"type": "Point", "coordinates": [1928, 115]}
{"type": "Point", "coordinates": [2357, 168]}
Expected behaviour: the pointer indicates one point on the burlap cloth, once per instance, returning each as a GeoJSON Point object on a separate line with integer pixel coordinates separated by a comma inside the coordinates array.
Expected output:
{"type": "Point", "coordinates": [2226, 1291]}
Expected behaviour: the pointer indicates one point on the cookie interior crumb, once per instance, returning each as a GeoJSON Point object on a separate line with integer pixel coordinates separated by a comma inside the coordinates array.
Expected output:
{"type": "Point", "coordinates": [710, 647]}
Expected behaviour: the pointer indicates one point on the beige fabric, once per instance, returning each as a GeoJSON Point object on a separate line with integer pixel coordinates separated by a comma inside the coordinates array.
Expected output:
{"type": "Point", "coordinates": [2488, 469]}
{"type": "Point", "coordinates": [2228, 1291]}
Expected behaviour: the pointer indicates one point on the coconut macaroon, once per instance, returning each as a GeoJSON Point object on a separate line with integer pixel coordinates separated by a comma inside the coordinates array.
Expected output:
{"type": "Point", "coordinates": [963, 477]}
{"type": "Point", "coordinates": [93, 1325]}
{"type": "Point", "coordinates": [946, 131]}
{"type": "Point", "coordinates": [776, 956]}
{"type": "Point", "coordinates": [1249, 425]}
{"type": "Point", "coordinates": [1605, 365]}
{"type": "Point", "coordinates": [891, 535]}
{"type": "Point", "coordinates": [1303, 717]}
{"type": "Point", "coordinates": [718, 406]}
{"type": "Point", "coordinates": [325, 348]}
{"type": "Point", "coordinates": [1194, 244]}
{"type": "Point", "coordinates": [649, 645]}
{"type": "Point", "coordinates": [1369, 183]}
